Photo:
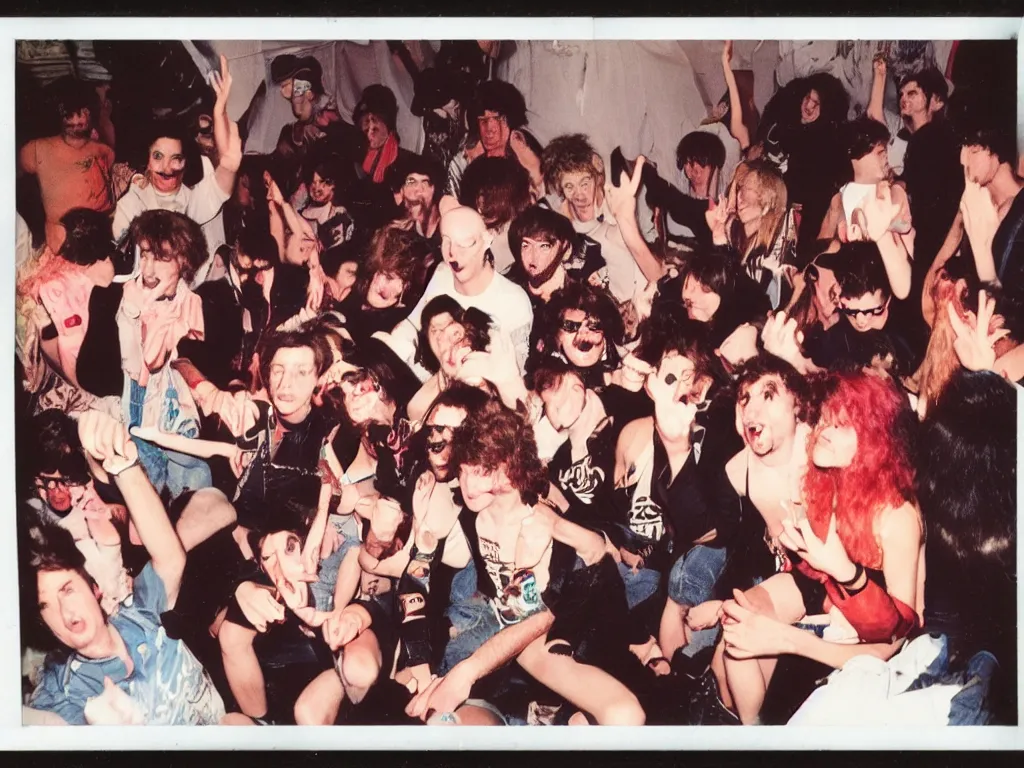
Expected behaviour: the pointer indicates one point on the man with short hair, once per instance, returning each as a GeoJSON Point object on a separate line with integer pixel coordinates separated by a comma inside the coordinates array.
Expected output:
{"type": "Point", "coordinates": [418, 181]}
{"type": "Point", "coordinates": [468, 276]}
{"type": "Point", "coordinates": [73, 169]}
{"type": "Point", "coordinates": [549, 254]}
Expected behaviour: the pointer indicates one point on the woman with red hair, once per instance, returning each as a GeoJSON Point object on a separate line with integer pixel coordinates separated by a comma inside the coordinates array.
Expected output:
{"type": "Point", "coordinates": [857, 548]}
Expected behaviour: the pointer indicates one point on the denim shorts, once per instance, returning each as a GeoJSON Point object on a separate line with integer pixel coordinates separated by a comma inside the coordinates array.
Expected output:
{"type": "Point", "coordinates": [693, 577]}
{"type": "Point", "coordinates": [475, 623]}
{"type": "Point", "coordinates": [323, 587]}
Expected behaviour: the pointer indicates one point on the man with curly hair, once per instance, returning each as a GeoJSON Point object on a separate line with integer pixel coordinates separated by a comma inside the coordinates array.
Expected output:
{"type": "Point", "coordinates": [574, 172]}
{"type": "Point", "coordinates": [526, 557]}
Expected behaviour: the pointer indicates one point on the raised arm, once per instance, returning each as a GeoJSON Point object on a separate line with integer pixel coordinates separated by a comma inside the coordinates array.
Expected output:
{"type": "Point", "coordinates": [946, 252]}
{"type": "Point", "coordinates": [107, 441]}
{"type": "Point", "coordinates": [622, 201]}
{"type": "Point", "coordinates": [874, 110]}
{"type": "Point", "coordinates": [737, 127]}
{"type": "Point", "coordinates": [225, 131]}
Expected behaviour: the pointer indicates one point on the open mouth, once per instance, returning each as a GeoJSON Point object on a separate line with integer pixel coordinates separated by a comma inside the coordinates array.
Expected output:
{"type": "Point", "coordinates": [584, 346]}
{"type": "Point", "coordinates": [754, 431]}
{"type": "Point", "coordinates": [456, 267]}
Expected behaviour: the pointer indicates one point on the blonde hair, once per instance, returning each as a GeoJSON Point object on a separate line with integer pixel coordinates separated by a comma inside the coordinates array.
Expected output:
{"type": "Point", "coordinates": [773, 200]}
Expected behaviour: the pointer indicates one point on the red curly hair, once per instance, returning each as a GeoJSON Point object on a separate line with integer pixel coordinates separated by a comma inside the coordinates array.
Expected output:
{"type": "Point", "coordinates": [881, 474]}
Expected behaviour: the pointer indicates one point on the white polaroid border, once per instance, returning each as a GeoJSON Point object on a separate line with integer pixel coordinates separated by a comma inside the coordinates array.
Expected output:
{"type": "Point", "coordinates": [15, 736]}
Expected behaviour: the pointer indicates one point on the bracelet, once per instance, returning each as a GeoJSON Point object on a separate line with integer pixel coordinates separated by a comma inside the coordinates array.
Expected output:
{"type": "Point", "coordinates": [856, 575]}
{"type": "Point", "coordinates": [134, 463]}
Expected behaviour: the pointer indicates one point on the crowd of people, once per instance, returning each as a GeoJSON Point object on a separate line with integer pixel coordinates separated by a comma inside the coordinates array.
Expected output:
{"type": "Point", "coordinates": [348, 434]}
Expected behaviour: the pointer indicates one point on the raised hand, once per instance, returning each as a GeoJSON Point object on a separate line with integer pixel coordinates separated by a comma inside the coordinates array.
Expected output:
{"type": "Point", "coordinates": [879, 66]}
{"type": "Point", "coordinates": [727, 53]}
{"type": "Point", "coordinates": [107, 440]}
{"type": "Point", "coordinates": [225, 130]}
{"type": "Point", "coordinates": [716, 216]}
{"type": "Point", "coordinates": [877, 213]}
{"type": "Point", "coordinates": [828, 556]}
{"type": "Point", "coordinates": [975, 347]}
{"type": "Point", "coordinates": [273, 191]}
{"type": "Point", "coordinates": [622, 199]}
{"type": "Point", "coordinates": [782, 339]}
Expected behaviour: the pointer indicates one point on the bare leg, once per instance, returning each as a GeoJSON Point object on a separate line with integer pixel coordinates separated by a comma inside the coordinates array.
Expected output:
{"type": "Point", "coordinates": [748, 679]}
{"type": "Point", "coordinates": [236, 718]}
{"type": "Point", "coordinates": [672, 634]}
{"type": "Point", "coordinates": [242, 668]}
{"type": "Point", "coordinates": [207, 512]}
{"type": "Point", "coordinates": [589, 688]}
{"type": "Point", "coordinates": [319, 702]}
{"type": "Point", "coordinates": [360, 665]}
{"type": "Point", "coordinates": [469, 715]}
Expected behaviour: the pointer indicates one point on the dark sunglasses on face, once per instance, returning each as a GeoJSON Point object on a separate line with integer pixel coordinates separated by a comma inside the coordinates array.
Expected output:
{"type": "Point", "coordinates": [51, 483]}
{"type": "Point", "coordinates": [593, 324]}
{"type": "Point", "coordinates": [873, 312]}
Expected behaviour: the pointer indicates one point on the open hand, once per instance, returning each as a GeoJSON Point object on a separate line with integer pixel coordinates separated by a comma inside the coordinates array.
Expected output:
{"type": "Point", "coordinates": [975, 347]}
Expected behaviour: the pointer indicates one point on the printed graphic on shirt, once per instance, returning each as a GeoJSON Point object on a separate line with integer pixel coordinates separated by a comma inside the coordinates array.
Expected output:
{"type": "Point", "coordinates": [645, 518]}
{"type": "Point", "coordinates": [500, 571]}
{"type": "Point", "coordinates": [582, 478]}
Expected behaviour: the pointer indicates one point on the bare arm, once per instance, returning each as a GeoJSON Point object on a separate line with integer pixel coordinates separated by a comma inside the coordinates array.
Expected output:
{"type": "Point", "coordinates": [506, 645]}
{"type": "Point", "coordinates": [225, 132]}
{"type": "Point", "coordinates": [901, 535]}
{"type": "Point", "coordinates": [348, 578]}
{"type": "Point", "coordinates": [949, 247]}
{"type": "Point", "coordinates": [650, 266]}
{"type": "Point", "coordinates": [897, 264]}
{"type": "Point", "coordinates": [737, 127]}
{"type": "Point", "coordinates": [589, 545]}
{"type": "Point", "coordinates": [830, 224]}
{"type": "Point", "coordinates": [277, 228]}
{"type": "Point", "coordinates": [874, 110]}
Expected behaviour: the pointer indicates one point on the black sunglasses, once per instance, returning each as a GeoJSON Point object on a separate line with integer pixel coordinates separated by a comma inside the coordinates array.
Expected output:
{"type": "Point", "coordinates": [873, 312]}
{"type": "Point", "coordinates": [573, 326]}
{"type": "Point", "coordinates": [50, 483]}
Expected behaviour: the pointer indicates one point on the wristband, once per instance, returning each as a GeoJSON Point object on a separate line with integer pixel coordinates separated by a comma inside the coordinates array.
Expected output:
{"type": "Point", "coordinates": [856, 575]}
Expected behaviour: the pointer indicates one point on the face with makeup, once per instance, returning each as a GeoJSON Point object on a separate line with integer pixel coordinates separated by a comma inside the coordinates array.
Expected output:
{"type": "Point", "coordinates": [77, 125]}
{"type": "Point", "coordinates": [364, 401]}
{"type": "Point", "coordinates": [541, 257]}
{"type": "Point", "coordinates": [581, 338]}
{"type": "Point", "coordinates": [60, 493]}
{"type": "Point", "coordinates": [494, 131]}
{"type": "Point", "coordinates": [417, 191]}
{"type": "Point", "coordinates": [766, 415]}
{"type": "Point", "coordinates": [302, 98]}
{"type": "Point", "coordinates": [868, 312]}
{"type": "Point", "coordinates": [440, 427]}
{"type": "Point", "coordinates": [69, 605]}
{"type": "Point", "coordinates": [464, 244]}
{"type": "Point", "coordinates": [166, 165]}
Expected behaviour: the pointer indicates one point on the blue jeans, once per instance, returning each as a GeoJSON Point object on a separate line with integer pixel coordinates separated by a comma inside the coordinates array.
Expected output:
{"type": "Point", "coordinates": [690, 583]}
{"type": "Point", "coordinates": [474, 621]}
{"type": "Point", "coordinates": [177, 472]}
{"type": "Point", "coordinates": [640, 585]}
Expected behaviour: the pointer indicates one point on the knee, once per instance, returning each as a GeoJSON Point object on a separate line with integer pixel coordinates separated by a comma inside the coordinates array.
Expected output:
{"type": "Point", "coordinates": [623, 710]}
{"type": "Point", "coordinates": [309, 711]}
{"type": "Point", "coordinates": [359, 668]}
{"type": "Point", "coordinates": [235, 639]}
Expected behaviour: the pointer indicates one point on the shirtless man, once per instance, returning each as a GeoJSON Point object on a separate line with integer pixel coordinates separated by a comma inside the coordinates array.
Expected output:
{"type": "Point", "coordinates": [516, 547]}
{"type": "Point", "coordinates": [73, 170]}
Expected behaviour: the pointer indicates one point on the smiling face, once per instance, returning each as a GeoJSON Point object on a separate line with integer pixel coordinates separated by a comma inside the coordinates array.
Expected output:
{"type": "Point", "coordinates": [440, 427]}
{"type": "Point", "coordinates": [698, 175]}
{"type": "Point", "coordinates": [579, 189]}
{"type": "Point", "coordinates": [580, 337]}
{"type": "Point", "coordinates": [564, 403]}
{"type": "Point", "coordinates": [834, 442]}
{"type": "Point", "coordinates": [749, 202]}
{"type": "Point", "coordinates": [766, 415]}
{"type": "Point", "coordinates": [810, 107]}
{"type": "Point", "coordinates": [70, 607]}
{"type": "Point", "coordinates": [321, 192]}
{"type": "Point", "coordinates": [293, 376]}
{"type": "Point", "coordinates": [374, 129]}
{"type": "Point", "coordinates": [166, 165]}
{"type": "Point", "coordinates": [868, 312]}
{"type": "Point", "coordinates": [701, 303]}
{"type": "Point", "coordinates": [384, 291]}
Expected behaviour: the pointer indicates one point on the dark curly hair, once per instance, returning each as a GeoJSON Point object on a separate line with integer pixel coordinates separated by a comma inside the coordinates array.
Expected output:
{"type": "Point", "coordinates": [171, 235]}
{"type": "Point", "coordinates": [795, 383]}
{"type": "Point", "coordinates": [88, 237]}
{"type": "Point", "coordinates": [701, 147]}
{"type": "Point", "coordinates": [399, 252]}
{"type": "Point", "coordinates": [495, 437]}
{"type": "Point", "coordinates": [501, 97]}
{"type": "Point", "coordinates": [538, 223]}
{"type": "Point", "coordinates": [497, 187]}
{"type": "Point", "coordinates": [476, 322]}
{"type": "Point", "coordinates": [863, 135]}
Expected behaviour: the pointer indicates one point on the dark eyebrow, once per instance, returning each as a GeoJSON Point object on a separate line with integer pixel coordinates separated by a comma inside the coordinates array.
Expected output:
{"type": "Point", "coordinates": [771, 388]}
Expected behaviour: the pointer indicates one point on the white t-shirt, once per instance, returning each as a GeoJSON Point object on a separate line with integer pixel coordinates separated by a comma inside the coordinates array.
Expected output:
{"type": "Point", "coordinates": [624, 275]}
{"type": "Point", "coordinates": [201, 203]}
{"type": "Point", "coordinates": [506, 303]}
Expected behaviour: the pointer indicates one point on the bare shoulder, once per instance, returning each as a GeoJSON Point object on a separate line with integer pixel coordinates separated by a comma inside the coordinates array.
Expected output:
{"type": "Point", "coordinates": [900, 522]}
{"type": "Point", "coordinates": [734, 469]}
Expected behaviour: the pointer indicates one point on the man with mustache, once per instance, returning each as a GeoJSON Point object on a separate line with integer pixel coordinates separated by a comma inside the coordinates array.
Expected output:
{"type": "Point", "coordinates": [162, 186]}
{"type": "Point", "coordinates": [468, 276]}
{"type": "Point", "coordinates": [73, 169]}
